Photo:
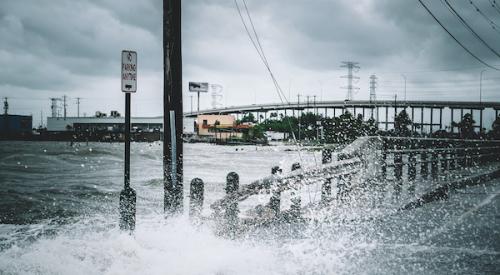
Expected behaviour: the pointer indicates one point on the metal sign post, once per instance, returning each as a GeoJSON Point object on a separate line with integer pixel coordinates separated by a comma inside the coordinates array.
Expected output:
{"type": "Point", "coordinates": [128, 196]}
{"type": "Point", "coordinates": [198, 87]}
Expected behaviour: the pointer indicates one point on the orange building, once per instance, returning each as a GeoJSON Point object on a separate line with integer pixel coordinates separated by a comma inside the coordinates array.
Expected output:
{"type": "Point", "coordinates": [219, 126]}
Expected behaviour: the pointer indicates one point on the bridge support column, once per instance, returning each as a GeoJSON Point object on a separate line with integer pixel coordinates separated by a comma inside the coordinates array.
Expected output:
{"type": "Point", "coordinates": [480, 120]}
{"type": "Point", "coordinates": [451, 120]}
{"type": "Point", "coordinates": [440, 118]}
{"type": "Point", "coordinates": [422, 120]}
{"type": "Point", "coordinates": [412, 118]}
{"type": "Point", "coordinates": [386, 118]}
{"type": "Point", "coordinates": [432, 121]}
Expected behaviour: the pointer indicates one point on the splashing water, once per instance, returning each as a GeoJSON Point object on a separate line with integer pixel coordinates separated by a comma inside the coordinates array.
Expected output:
{"type": "Point", "coordinates": [59, 217]}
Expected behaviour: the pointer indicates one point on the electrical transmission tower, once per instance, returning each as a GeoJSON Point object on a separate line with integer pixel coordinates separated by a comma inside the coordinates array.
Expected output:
{"type": "Point", "coordinates": [373, 85]}
{"type": "Point", "coordinates": [352, 67]}
{"type": "Point", "coordinates": [54, 107]}
{"type": "Point", "coordinates": [216, 95]}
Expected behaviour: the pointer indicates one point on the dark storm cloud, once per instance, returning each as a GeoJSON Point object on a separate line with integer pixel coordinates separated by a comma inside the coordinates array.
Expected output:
{"type": "Point", "coordinates": [51, 44]}
{"type": "Point", "coordinates": [55, 44]}
{"type": "Point", "coordinates": [432, 43]}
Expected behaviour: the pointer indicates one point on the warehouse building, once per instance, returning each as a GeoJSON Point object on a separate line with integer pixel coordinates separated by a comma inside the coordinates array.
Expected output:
{"type": "Point", "coordinates": [15, 125]}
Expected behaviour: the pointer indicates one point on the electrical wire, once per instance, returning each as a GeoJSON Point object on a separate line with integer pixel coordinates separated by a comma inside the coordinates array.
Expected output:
{"type": "Point", "coordinates": [258, 47]}
{"type": "Point", "coordinates": [492, 24]}
{"type": "Point", "coordinates": [495, 6]}
{"type": "Point", "coordinates": [454, 38]}
{"type": "Point", "coordinates": [462, 20]}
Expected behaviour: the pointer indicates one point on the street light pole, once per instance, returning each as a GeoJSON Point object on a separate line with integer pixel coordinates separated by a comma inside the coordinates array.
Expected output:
{"type": "Point", "coordinates": [404, 77]}
{"type": "Point", "coordinates": [481, 85]}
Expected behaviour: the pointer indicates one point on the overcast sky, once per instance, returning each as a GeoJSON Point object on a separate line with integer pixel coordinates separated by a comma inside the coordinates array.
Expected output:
{"type": "Point", "coordinates": [67, 47]}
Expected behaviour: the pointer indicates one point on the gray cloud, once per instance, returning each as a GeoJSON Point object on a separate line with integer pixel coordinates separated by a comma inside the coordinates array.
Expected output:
{"type": "Point", "coordinates": [63, 46]}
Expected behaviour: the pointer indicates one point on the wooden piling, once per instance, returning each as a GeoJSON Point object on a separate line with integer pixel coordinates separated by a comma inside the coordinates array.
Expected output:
{"type": "Point", "coordinates": [326, 156]}
{"type": "Point", "coordinates": [275, 201]}
{"type": "Point", "coordinates": [412, 167]}
{"type": "Point", "coordinates": [295, 197]}
{"type": "Point", "coordinates": [196, 197]}
{"type": "Point", "coordinates": [231, 214]}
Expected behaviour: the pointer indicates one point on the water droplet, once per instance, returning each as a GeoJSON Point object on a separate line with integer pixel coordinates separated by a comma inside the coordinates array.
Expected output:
{"type": "Point", "coordinates": [82, 165]}
{"type": "Point", "coordinates": [25, 166]}
{"type": "Point", "coordinates": [90, 149]}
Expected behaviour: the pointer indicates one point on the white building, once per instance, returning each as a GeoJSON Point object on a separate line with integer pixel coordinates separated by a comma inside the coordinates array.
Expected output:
{"type": "Point", "coordinates": [111, 124]}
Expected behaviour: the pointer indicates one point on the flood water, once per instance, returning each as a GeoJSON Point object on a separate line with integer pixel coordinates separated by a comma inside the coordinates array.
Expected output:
{"type": "Point", "coordinates": [58, 215]}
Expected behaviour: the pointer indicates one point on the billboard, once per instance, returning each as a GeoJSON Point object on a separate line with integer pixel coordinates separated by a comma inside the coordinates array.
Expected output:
{"type": "Point", "coordinates": [198, 87]}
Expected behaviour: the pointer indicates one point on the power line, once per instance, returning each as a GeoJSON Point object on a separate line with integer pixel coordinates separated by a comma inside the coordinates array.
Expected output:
{"type": "Point", "coordinates": [495, 6]}
{"type": "Point", "coordinates": [456, 40]}
{"type": "Point", "coordinates": [258, 47]}
{"type": "Point", "coordinates": [492, 24]}
{"type": "Point", "coordinates": [462, 20]}
{"type": "Point", "coordinates": [435, 71]}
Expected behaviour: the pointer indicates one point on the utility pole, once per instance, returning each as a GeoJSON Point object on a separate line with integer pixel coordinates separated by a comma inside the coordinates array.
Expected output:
{"type": "Point", "coordinates": [352, 67]}
{"type": "Point", "coordinates": [78, 106]}
{"type": "Point", "coordinates": [64, 106]}
{"type": "Point", "coordinates": [172, 107]}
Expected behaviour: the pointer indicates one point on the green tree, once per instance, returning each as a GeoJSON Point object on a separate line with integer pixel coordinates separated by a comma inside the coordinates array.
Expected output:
{"type": "Point", "coordinates": [466, 127]}
{"type": "Point", "coordinates": [495, 129]}
{"type": "Point", "coordinates": [248, 118]}
{"type": "Point", "coordinates": [401, 124]}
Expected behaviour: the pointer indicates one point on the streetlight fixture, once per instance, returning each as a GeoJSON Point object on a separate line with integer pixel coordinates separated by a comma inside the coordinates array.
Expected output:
{"type": "Point", "coordinates": [481, 85]}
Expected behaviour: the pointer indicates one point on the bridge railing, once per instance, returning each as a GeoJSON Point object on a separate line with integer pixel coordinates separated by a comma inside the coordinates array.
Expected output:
{"type": "Point", "coordinates": [412, 157]}
{"type": "Point", "coordinates": [367, 163]}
